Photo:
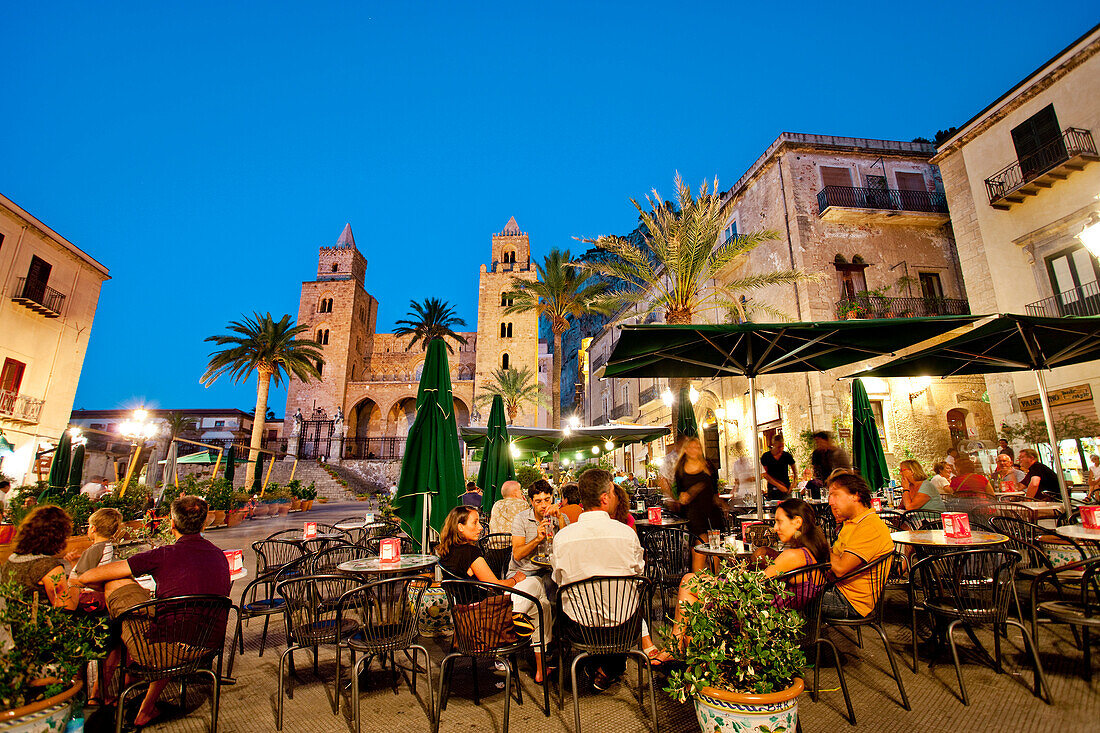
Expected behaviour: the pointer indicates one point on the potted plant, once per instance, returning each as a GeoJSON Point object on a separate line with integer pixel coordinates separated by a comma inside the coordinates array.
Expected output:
{"type": "Point", "coordinates": [294, 486]}
{"type": "Point", "coordinates": [278, 498]}
{"type": "Point", "coordinates": [307, 495]}
{"type": "Point", "coordinates": [219, 499]}
{"type": "Point", "coordinates": [741, 653]}
{"type": "Point", "coordinates": [239, 512]}
{"type": "Point", "coordinates": [42, 650]}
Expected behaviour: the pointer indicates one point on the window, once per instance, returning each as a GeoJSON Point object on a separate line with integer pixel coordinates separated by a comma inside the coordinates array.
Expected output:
{"type": "Point", "coordinates": [930, 285]}
{"type": "Point", "coordinates": [1073, 275]}
{"type": "Point", "coordinates": [505, 300]}
{"type": "Point", "coordinates": [506, 330]}
{"type": "Point", "coordinates": [12, 376]}
{"type": "Point", "coordinates": [326, 337]}
{"type": "Point", "coordinates": [833, 176]}
{"type": "Point", "coordinates": [910, 181]}
{"type": "Point", "coordinates": [96, 426]}
{"type": "Point", "coordinates": [504, 362]}
{"type": "Point", "coordinates": [510, 256]}
{"type": "Point", "coordinates": [730, 231]}
{"type": "Point", "coordinates": [1037, 142]}
{"type": "Point", "coordinates": [219, 423]}
{"type": "Point", "coordinates": [272, 434]}
{"type": "Point", "coordinates": [335, 267]}
{"type": "Point", "coordinates": [626, 395]}
{"type": "Point", "coordinates": [851, 279]}
{"type": "Point", "coordinates": [320, 367]}
{"type": "Point", "coordinates": [880, 421]}
{"type": "Point", "coordinates": [326, 305]}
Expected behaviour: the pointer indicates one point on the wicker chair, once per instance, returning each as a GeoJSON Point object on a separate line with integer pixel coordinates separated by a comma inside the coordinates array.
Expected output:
{"type": "Point", "coordinates": [667, 561]}
{"type": "Point", "coordinates": [173, 638]}
{"type": "Point", "coordinates": [497, 550]}
{"type": "Point", "coordinates": [274, 554]}
{"type": "Point", "coordinates": [1081, 611]}
{"type": "Point", "coordinates": [408, 544]}
{"type": "Point", "coordinates": [326, 561]}
{"type": "Point", "coordinates": [918, 519]}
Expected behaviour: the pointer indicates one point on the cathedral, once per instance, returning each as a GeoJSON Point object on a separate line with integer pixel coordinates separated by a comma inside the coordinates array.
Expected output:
{"type": "Point", "coordinates": [369, 381]}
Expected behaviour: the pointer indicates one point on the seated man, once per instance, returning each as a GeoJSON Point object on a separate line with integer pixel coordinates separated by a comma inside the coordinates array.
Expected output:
{"type": "Point", "coordinates": [532, 527]}
{"type": "Point", "coordinates": [191, 565]}
{"type": "Point", "coordinates": [1040, 482]}
{"type": "Point", "coordinates": [473, 495]}
{"type": "Point", "coordinates": [863, 539]}
{"type": "Point", "coordinates": [596, 545]}
{"type": "Point", "coordinates": [504, 511]}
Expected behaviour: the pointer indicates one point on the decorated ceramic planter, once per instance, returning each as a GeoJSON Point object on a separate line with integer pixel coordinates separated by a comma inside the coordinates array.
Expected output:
{"type": "Point", "coordinates": [721, 711]}
{"type": "Point", "coordinates": [45, 716]}
{"type": "Point", "coordinates": [435, 613]}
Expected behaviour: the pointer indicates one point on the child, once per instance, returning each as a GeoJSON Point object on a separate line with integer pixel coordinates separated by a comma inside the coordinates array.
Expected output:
{"type": "Point", "coordinates": [102, 527]}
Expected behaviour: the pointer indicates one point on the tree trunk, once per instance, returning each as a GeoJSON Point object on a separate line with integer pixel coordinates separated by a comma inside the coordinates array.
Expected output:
{"type": "Point", "coordinates": [675, 384]}
{"type": "Point", "coordinates": [263, 384]}
{"type": "Point", "coordinates": [555, 379]}
{"type": "Point", "coordinates": [513, 410]}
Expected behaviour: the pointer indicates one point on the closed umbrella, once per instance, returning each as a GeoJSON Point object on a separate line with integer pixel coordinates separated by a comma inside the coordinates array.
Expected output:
{"type": "Point", "coordinates": [258, 482]}
{"type": "Point", "coordinates": [685, 415]}
{"type": "Point", "coordinates": [431, 479]}
{"type": "Point", "coordinates": [496, 462]}
{"type": "Point", "coordinates": [59, 469]}
{"type": "Point", "coordinates": [867, 452]}
{"type": "Point", "coordinates": [76, 469]}
{"type": "Point", "coordinates": [231, 463]}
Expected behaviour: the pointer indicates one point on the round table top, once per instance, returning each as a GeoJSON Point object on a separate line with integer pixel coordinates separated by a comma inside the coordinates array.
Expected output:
{"type": "Point", "coordinates": [353, 525]}
{"type": "Point", "coordinates": [542, 562]}
{"type": "Point", "coordinates": [767, 517]}
{"type": "Point", "coordinates": [935, 538]}
{"type": "Point", "coordinates": [1041, 505]}
{"type": "Point", "coordinates": [1008, 494]}
{"type": "Point", "coordinates": [1079, 532]}
{"type": "Point", "coordinates": [723, 551]}
{"type": "Point", "coordinates": [375, 565]}
{"type": "Point", "coordinates": [665, 522]}
{"type": "Point", "coordinates": [322, 536]}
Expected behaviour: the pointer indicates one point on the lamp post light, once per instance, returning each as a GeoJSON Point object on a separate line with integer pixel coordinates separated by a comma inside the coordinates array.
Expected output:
{"type": "Point", "coordinates": [1090, 235]}
{"type": "Point", "coordinates": [137, 430]}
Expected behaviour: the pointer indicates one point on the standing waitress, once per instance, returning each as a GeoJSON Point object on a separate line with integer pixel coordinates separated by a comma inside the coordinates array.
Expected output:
{"type": "Point", "coordinates": [697, 479]}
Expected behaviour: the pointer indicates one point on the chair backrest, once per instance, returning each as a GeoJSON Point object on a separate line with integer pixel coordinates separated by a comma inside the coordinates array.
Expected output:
{"type": "Point", "coordinates": [827, 521]}
{"type": "Point", "coordinates": [173, 636]}
{"type": "Point", "coordinates": [977, 584]}
{"type": "Point", "coordinates": [497, 550]}
{"type": "Point", "coordinates": [1017, 528]}
{"type": "Point", "coordinates": [667, 552]}
{"type": "Point", "coordinates": [917, 519]}
{"type": "Point", "coordinates": [806, 586]}
{"type": "Point", "coordinates": [387, 610]}
{"type": "Point", "coordinates": [893, 519]}
{"type": "Point", "coordinates": [325, 561]}
{"type": "Point", "coordinates": [1006, 509]}
{"type": "Point", "coordinates": [265, 582]}
{"type": "Point", "coordinates": [878, 573]}
{"type": "Point", "coordinates": [312, 605]}
{"type": "Point", "coordinates": [274, 554]}
{"type": "Point", "coordinates": [292, 534]}
{"type": "Point", "coordinates": [604, 614]}
{"type": "Point", "coordinates": [481, 627]}
{"type": "Point", "coordinates": [761, 535]}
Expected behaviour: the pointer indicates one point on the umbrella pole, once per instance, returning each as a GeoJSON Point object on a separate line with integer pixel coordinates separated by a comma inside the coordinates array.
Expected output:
{"type": "Point", "coordinates": [755, 440]}
{"type": "Point", "coordinates": [1055, 458]}
{"type": "Point", "coordinates": [427, 507]}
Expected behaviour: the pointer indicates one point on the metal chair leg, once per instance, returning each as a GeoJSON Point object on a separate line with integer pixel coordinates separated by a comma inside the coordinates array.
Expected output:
{"type": "Point", "coordinates": [1041, 687]}
{"type": "Point", "coordinates": [893, 665]}
{"type": "Point", "coordinates": [354, 702]}
{"type": "Point", "coordinates": [576, 693]}
{"type": "Point", "coordinates": [997, 628]}
{"type": "Point", "coordinates": [561, 674]}
{"type": "Point", "coordinates": [477, 690]}
{"type": "Point", "coordinates": [914, 633]}
{"type": "Point", "coordinates": [122, 702]}
{"type": "Point", "coordinates": [840, 675]}
{"type": "Point", "coordinates": [643, 661]}
{"type": "Point", "coordinates": [428, 673]}
{"type": "Point", "coordinates": [508, 692]}
{"type": "Point", "coordinates": [955, 657]}
{"type": "Point", "coordinates": [263, 636]}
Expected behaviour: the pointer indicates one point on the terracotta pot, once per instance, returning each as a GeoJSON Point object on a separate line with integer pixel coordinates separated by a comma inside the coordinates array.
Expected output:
{"type": "Point", "coordinates": [722, 711]}
{"type": "Point", "coordinates": [283, 509]}
{"type": "Point", "coordinates": [51, 714]}
{"type": "Point", "coordinates": [295, 505]}
{"type": "Point", "coordinates": [307, 504]}
{"type": "Point", "coordinates": [209, 520]}
{"type": "Point", "coordinates": [234, 517]}
{"type": "Point", "coordinates": [219, 517]}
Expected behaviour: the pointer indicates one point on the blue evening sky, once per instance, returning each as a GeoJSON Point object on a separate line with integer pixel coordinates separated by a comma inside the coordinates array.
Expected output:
{"type": "Point", "coordinates": [204, 150]}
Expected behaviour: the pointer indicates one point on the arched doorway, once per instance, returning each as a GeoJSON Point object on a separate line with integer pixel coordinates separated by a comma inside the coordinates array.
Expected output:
{"type": "Point", "coordinates": [400, 417]}
{"type": "Point", "coordinates": [462, 413]}
{"type": "Point", "coordinates": [364, 430]}
{"type": "Point", "coordinates": [956, 424]}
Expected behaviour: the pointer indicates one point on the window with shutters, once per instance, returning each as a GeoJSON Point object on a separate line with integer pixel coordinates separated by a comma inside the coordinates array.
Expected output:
{"type": "Point", "coordinates": [1038, 141]}
{"type": "Point", "coordinates": [834, 176]}
{"type": "Point", "coordinates": [12, 376]}
{"type": "Point", "coordinates": [930, 285]}
{"type": "Point", "coordinates": [910, 181]}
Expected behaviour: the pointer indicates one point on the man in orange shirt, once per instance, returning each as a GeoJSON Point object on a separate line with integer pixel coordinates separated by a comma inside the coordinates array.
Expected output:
{"type": "Point", "coordinates": [863, 539]}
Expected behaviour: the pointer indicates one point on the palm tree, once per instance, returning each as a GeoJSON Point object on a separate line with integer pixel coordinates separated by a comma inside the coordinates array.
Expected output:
{"type": "Point", "coordinates": [177, 424]}
{"type": "Point", "coordinates": [271, 349]}
{"type": "Point", "coordinates": [516, 387]}
{"type": "Point", "coordinates": [562, 291]}
{"type": "Point", "coordinates": [434, 319]}
{"type": "Point", "coordinates": [680, 256]}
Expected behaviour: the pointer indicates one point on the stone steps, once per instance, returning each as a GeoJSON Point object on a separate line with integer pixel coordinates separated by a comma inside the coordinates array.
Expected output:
{"type": "Point", "coordinates": [308, 471]}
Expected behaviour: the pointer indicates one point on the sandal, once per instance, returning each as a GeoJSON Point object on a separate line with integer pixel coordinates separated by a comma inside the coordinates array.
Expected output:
{"type": "Point", "coordinates": [661, 658]}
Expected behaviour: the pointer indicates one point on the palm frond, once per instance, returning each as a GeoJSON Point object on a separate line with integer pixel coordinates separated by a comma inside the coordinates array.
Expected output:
{"type": "Point", "coordinates": [264, 345]}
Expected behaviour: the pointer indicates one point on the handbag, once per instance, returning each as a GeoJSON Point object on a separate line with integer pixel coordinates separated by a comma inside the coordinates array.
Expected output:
{"type": "Point", "coordinates": [486, 624]}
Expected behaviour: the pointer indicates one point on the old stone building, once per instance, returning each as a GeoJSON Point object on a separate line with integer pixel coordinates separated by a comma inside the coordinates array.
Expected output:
{"type": "Point", "coordinates": [869, 219]}
{"type": "Point", "coordinates": [1023, 182]}
{"type": "Point", "coordinates": [372, 378]}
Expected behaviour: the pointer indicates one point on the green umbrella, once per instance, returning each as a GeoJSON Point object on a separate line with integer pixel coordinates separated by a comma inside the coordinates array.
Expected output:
{"type": "Point", "coordinates": [230, 463]}
{"type": "Point", "coordinates": [685, 415]}
{"type": "Point", "coordinates": [258, 482]}
{"type": "Point", "coordinates": [431, 469]}
{"type": "Point", "coordinates": [59, 469]}
{"type": "Point", "coordinates": [76, 469]}
{"type": "Point", "coordinates": [867, 453]}
{"type": "Point", "coordinates": [496, 460]}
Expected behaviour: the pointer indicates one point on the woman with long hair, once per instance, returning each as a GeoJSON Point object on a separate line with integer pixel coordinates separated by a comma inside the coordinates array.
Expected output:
{"type": "Point", "coordinates": [697, 492]}
{"type": "Point", "coordinates": [969, 481]}
{"type": "Point", "coordinates": [622, 506]}
{"type": "Point", "coordinates": [919, 491]}
{"type": "Point", "coordinates": [460, 554]}
{"type": "Point", "coordinates": [36, 562]}
{"type": "Point", "coordinates": [806, 544]}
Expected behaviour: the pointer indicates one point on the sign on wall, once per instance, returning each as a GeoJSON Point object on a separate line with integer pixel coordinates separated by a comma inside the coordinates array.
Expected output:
{"type": "Point", "coordinates": [1066, 396]}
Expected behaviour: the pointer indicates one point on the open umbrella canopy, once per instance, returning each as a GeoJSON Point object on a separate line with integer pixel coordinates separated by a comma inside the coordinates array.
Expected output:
{"type": "Point", "coordinates": [431, 468]}
{"type": "Point", "coordinates": [867, 453]}
{"type": "Point", "coordinates": [550, 440]}
{"type": "Point", "coordinates": [59, 468]}
{"type": "Point", "coordinates": [206, 457]}
{"type": "Point", "coordinates": [496, 462]}
{"type": "Point", "coordinates": [685, 415]}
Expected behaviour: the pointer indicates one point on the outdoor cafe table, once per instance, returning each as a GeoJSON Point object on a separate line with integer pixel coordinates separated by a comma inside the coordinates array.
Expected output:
{"type": "Point", "coordinates": [752, 517]}
{"type": "Point", "coordinates": [1080, 533]}
{"type": "Point", "coordinates": [642, 525]}
{"type": "Point", "coordinates": [405, 565]}
{"type": "Point", "coordinates": [1043, 509]}
{"type": "Point", "coordinates": [934, 540]}
{"type": "Point", "coordinates": [724, 551]}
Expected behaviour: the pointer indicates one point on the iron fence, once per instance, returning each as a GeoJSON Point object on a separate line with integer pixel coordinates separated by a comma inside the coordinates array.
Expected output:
{"type": "Point", "coordinates": [881, 198]}
{"type": "Point", "coordinates": [884, 306]}
{"type": "Point", "coordinates": [1069, 144]}
{"type": "Point", "coordinates": [36, 291]}
{"type": "Point", "coordinates": [20, 406]}
{"type": "Point", "coordinates": [1084, 300]}
{"type": "Point", "coordinates": [377, 447]}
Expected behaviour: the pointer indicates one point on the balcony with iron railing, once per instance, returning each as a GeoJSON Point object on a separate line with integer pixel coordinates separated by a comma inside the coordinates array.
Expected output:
{"type": "Point", "coordinates": [35, 294]}
{"type": "Point", "coordinates": [884, 306]}
{"type": "Point", "coordinates": [1071, 151]}
{"type": "Point", "coordinates": [1083, 300]}
{"type": "Point", "coordinates": [852, 204]}
{"type": "Point", "coordinates": [20, 407]}
{"type": "Point", "coordinates": [650, 394]}
{"type": "Point", "coordinates": [599, 420]}
{"type": "Point", "coordinates": [619, 410]}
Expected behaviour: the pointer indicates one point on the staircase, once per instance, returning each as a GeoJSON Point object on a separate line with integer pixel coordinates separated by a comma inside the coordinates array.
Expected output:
{"type": "Point", "coordinates": [307, 471]}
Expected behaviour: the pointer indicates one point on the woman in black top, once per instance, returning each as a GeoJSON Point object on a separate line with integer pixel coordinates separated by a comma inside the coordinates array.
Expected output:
{"type": "Point", "coordinates": [697, 486]}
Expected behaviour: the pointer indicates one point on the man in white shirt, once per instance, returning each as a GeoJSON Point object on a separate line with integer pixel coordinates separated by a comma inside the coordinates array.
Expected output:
{"type": "Point", "coordinates": [5, 496]}
{"type": "Point", "coordinates": [96, 489]}
{"type": "Point", "coordinates": [597, 545]}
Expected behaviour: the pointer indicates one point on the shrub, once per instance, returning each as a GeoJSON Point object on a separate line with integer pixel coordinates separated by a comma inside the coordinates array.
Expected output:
{"type": "Point", "coordinates": [527, 475]}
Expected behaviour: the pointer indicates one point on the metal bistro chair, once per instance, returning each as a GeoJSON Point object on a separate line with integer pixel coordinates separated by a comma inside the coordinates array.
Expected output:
{"type": "Point", "coordinates": [381, 528]}
{"type": "Point", "coordinates": [355, 536]}
{"type": "Point", "coordinates": [387, 612]}
{"type": "Point", "coordinates": [877, 571]}
{"type": "Point", "coordinates": [325, 562]}
{"type": "Point", "coordinates": [919, 519]}
{"type": "Point", "coordinates": [603, 615]}
{"type": "Point", "coordinates": [827, 521]}
{"type": "Point", "coordinates": [312, 608]}
{"type": "Point", "coordinates": [1084, 611]}
{"type": "Point", "coordinates": [472, 629]}
{"type": "Point", "coordinates": [260, 601]}
{"type": "Point", "coordinates": [274, 554]}
{"type": "Point", "coordinates": [971, 588]}
{"type": "Point", "coordinates": [173, 638]}
{"type": "Point", "coordinates": [497, 550]}
{"type": "Point", "coordinates": [667, 561]}
{"type": "Point", "coordinates": [806, 599]}
{"type": "Point", "coordinates": [372, 544]}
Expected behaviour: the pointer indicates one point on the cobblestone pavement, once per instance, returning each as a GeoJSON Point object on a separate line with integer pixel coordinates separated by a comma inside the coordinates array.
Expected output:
{"type": "Point", "coordinates": [998, 702]}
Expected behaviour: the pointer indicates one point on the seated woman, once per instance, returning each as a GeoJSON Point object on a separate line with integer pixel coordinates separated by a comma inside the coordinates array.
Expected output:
{"type": "Point", "coordinates": [460, 554]}
{"type": "Point", "coordinates": [969, 482]}
{"type": "Point", "coordinates": [806, 544]}
{"type": "Point", "coordinates": [622, 506]}
{"type": "Point", "coordinates": [941, 477]}
{"type": "Point", "coordinates": [918, 491]}
{"type": "Point", "coordinates": [36, 563]}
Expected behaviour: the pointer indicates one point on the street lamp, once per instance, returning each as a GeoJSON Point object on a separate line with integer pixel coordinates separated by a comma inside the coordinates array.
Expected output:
{"type": "Point", "coordinates": [137, 430]}
{"type": "Point", "coordinates": [609, 446]}
{"type": "Point", "coordinates": [666, 397]}
{"type": "Point", "coordinates": [693, 394]}
{"type": "Point", "coordinates": [1090, 235]}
